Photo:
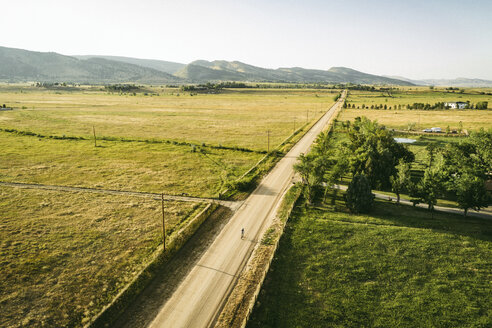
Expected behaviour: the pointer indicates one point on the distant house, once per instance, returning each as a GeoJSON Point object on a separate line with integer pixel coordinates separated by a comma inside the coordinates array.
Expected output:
{"type": "Point", "coordinates": [435, 130]}
{"type": "Point", "coordinates": [454, 105]}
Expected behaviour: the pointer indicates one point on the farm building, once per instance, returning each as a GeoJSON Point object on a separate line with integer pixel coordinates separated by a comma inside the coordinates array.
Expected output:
{"type": "Point", "coordinates": [454, 105]}
{"type": "Point", "coordinates": [435, 130]}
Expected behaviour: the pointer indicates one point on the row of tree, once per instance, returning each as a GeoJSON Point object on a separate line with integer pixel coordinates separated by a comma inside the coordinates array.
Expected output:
{"type": "Point", "coordinates": [375, 160]}
{"type": "Point", "coordinates": [421, 106]}
{"type": "Point", "coordinates": [458, 169]}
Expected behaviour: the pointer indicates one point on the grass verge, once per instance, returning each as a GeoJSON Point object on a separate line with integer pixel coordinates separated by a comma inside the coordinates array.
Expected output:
{"type": "Point", "coordinates": [240, 303]}
{"type": "Point", "coordinates": [396, 267]}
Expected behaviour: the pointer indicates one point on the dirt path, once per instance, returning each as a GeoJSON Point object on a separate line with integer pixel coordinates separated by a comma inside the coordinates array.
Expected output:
{"type": "Point", "coordinates": [231, 204]}
{"type": "Point", "coordinates": [486, 213]}
{"type": "Point", "coordinates": [146, 306]}
{"type": "Point", "coordinates": [199, 298]}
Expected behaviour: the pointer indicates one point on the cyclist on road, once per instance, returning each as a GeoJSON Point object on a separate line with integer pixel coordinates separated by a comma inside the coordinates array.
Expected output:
{"type": "Point", "coordinates": [242, 233]}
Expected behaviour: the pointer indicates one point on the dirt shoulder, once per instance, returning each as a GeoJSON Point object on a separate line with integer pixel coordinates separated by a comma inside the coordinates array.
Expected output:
{"type": "Point", "coordinates": [146, 306]}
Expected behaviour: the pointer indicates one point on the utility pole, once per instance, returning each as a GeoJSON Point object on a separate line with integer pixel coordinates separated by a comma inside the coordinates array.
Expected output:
{"type": "Point", "coordinates": [307, 115]}
{"type": "Point", "coordinates": [94, 131]}
{"type": "Point", "coordinates": [268, 141]}
{"type": "Point", "coordinates": [163, 223]}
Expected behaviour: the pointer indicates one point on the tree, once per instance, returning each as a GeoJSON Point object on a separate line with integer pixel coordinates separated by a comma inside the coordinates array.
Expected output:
{"type": "Point", "coordinates": [359, 198]}
{"type": "Point", "coordinates": [401, 181]}
{"type": "Point", "coordinates": [471, 193]}
{"type": "Point", "coordinates": [416, 193]}
{"type": "Point", "coordinates": [472, 155]}
{"type": "Point", "coordinates": [430, 187]}
{"type": "Point", "coordinates": [311, 168]}
{"type": "Point", "coordinates": [482, 105]}
{"type": "Point", "coordinates": [432, 148]}
{"type": "Point", "coordinates": [374, 152]}
{"type": "Point", "coordinates": [336, 173]}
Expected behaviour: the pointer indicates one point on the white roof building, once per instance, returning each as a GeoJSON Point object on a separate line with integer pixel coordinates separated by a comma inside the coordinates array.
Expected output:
{"type": "Point", "coordinates": [454, 105]}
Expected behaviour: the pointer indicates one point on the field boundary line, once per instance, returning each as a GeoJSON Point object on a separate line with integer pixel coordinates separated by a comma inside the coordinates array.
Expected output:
{"type": "Point", "coordinates": [123, 139]}
{"type": "Point", "coordinates": [231, 204]}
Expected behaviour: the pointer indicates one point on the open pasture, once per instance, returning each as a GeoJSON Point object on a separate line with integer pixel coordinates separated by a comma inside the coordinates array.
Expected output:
{"type": "Point", "coordinates": [132, 166]}
{"type": "Point", "coordinates": [399, 117]}
{"type": "Point", "coordinates": [421, 119]}
{"type": "Point", "coordinates": [419, 95]}
{"type": "Point", "coordinates": [65, 255]}
{"type": "Point", "coordinates": [239, 117]}
{"type": "Point", "coordinates": [396, 267]}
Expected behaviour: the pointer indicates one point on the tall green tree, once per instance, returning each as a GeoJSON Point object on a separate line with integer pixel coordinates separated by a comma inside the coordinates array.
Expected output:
{"type": "Point", "coordinates": [400, 182]}
{"type": "Point", "coordinates": [335, 171]}
{"type": "Point", "coordinates": [359, 198]}
{"type": "Point", "coordinates": [471, 193]}
{"type": "Point", "coordinates": [311, 168]}
{"type": "Point", "coordinates": [429, 188]}
{"type": "Point", "coordinates": [375, 153]}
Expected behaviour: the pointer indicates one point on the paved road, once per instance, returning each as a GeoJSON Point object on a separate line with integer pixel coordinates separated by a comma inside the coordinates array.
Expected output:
{"type": "Point", "coordinates": [232, 205]}
{"type": "Point", "coordinates": [201, 295]}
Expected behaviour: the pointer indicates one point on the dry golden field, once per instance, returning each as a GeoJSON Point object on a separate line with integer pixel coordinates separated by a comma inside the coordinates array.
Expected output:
{"type": "Point", "coordinates": [65, 255]}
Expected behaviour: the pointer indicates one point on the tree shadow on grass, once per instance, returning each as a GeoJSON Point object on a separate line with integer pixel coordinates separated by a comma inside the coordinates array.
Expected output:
{"type": "Point", "coordinates": [384, 213]}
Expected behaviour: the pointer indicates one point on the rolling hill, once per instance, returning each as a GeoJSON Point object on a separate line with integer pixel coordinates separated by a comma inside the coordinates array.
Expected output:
{"type": "Point", "coordinates": [17, 65]}
{"type": "Point", "coordinates": [220, 70]}
{"type": "Point", "coordinates": [160, 65]}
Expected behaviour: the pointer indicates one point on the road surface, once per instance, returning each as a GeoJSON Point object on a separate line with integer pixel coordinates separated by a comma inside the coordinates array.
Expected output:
{"type": "Point", "coordinates": [200, 297]}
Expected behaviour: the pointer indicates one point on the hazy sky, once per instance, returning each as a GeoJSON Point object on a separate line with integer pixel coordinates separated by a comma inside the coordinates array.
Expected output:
{"type": "Point", "coordinates": [416, 39]}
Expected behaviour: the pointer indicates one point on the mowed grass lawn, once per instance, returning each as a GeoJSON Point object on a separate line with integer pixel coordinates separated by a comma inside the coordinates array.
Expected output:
{"type": "Point", "coordinates": [65, 255]}
{"type": "Point", "coordinates": [399, 119]}
{"type": "Point", "coordinates": [232, 118]}
{"type": "Point", "coordinates": [134, 166]}
{"type": "Point", "coordinates": [397, 267]}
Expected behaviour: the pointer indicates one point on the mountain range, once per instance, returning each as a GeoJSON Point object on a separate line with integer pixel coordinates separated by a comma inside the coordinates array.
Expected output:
{"type": "Point", "coordinates": [458, 82]}
{"type": "Point", "coordinates": [18, 65]}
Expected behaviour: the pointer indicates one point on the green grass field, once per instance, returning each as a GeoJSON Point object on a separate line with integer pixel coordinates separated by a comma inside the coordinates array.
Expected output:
{"type": "Point", "coordinates": [417, 95]}
{"type": "Point", "coordinates": [133, 166]}
{"type": "Point", "coordinates": [397, 267]}
{"type": "Point", "coordinates": [399, 119]}
{"type": "Point", "coordinates": [65, 255]}
{"type": "Point", "coordinates": [231, 118]}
